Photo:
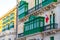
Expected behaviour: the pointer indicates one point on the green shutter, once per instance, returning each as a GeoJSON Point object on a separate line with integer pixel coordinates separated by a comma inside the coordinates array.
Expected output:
{"type": "Point", "coordinates": [51, 38]}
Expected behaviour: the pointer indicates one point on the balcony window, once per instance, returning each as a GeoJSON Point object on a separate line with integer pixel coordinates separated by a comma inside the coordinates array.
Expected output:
{"type": "Point", "coordinates": [23, 7]}
{"type": "Point", "coordinates": [3, 29]}
{"type": "Point", "coordinates": [38, 22]}
{"type": "Point", "coordinates": [6, 27]}
{"type": "Point", "coordinates": [20, 11]}
{"type": "Point", "coordinates": [32, 25]}
{"type": "Point", "coordinates": [41, 24]}
{"type": "Point", "coordinates": [12, 25]}
{"type": "Point", "coordinates": [5, 20]}
{"type": "Point", "coordinates": [27, 27]}
{"type": "Point", "coordinates": [35, 26]}
{"type": "Point", "coordinates": [36, 3]}
{"type": "Point", "coordinates": [12, 16]}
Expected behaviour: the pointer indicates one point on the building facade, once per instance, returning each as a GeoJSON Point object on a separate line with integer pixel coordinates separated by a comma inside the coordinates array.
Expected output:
{"type": "Point", "coordinates": [37, 20]}
{"type": "Point", "coordinates": [41, 21]}
{"type": "Point", "coordinates": [8, 22]}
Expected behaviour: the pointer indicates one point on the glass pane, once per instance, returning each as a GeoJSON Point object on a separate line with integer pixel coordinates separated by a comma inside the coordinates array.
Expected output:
{"type": "Point", "coordinates": [41, 24]}
{"type": "Point", "coordinates": [11, 24]}
{"type": "Point", "coordinates": [11, 18]}
{"type": "Point", "coordinates": [12, 14]}
{"type": "Point", "coordinates": [32, 25]}
{"type": "Point", "coordinates": [40, 1]}
{"type": "Point", "coordinates": [36, 2]}
{"type": "Point", "coordinates": [35, 25]}
{"type": "Point", "coordinates": [26, 28]}
{"type": "Point", "coordinates": [38, 22]}
{"type": "Point", "coordinates": [21, 11]}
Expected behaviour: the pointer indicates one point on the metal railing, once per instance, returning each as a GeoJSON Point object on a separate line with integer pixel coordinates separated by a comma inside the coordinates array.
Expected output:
{"type": "Point", "coordinates": [50, 26]}
{"type": "Point", "coordinates": [20, 35]}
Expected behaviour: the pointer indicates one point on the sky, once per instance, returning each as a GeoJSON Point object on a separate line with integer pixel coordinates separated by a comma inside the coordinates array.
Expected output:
{"type": "Point", "coordinates": [6, 5]}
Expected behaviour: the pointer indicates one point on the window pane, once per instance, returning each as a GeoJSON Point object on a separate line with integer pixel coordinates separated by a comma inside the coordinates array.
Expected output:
{"type": "Point", "coordinates": [37, 23]}
{"type": "Point", "coordinates": [6, 27]}
{"type": "Point", "coordinates": [37, 1]}
{"type": "Point", "coordinates": [21, 11]}
{"type": "Point", "coordinates": [30, 26]}
{"type": "Point", "coordinates": [41, 24]}
{"type": "Point", "coordinates": [11, 25]}
{"type": "Point", "coordinates": [34, 24]}
{"type": "Point", "coordinates": [26, 27]}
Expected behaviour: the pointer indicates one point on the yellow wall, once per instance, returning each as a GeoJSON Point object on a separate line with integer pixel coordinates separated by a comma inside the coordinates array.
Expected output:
{"type": "Point", "coordinates": [0, 26]}
{"type": "Point", "coordinates": [8, 14]}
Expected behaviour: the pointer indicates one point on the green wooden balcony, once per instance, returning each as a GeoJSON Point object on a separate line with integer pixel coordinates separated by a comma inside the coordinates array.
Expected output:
{"type": "Point", "coordinates": [34, 26]}
{"type": "Point", "coordinates": [47, 2]}
{"type": "Point", "coordinates": [22, 15]}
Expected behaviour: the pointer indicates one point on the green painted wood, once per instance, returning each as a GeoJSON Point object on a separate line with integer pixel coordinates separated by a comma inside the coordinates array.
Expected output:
{"type": "Point", "coordinates": [33, 26]}
{"type": "Point", "coordinates": [47, 2]}
{"type": "Point", "coordinates": [52, 38]}
{"type": "Point", "coordinates": [23, 5]}
{"type": "Point", "coordinates": [32, 17]}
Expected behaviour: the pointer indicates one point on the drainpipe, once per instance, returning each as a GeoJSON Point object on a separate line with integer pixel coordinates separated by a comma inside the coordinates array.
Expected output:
{"type": "Point", "coordinates": [16, 20]}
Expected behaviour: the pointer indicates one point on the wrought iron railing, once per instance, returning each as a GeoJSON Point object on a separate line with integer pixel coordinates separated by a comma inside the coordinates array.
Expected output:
{"type": "Point", "coordinates": [50, 26]}
{"type": "Point", "coordinates": [20, 35]}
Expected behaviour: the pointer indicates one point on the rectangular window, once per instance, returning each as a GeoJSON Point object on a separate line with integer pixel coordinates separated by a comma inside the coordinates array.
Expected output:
{"type": "Point", "coordinates": [30, 25]}
{"type": "Point", "coordinates": [26, 27]}
{"type": "Point", "coordinates": [6, 27]}
{"type": "Point", "coordinates": [21, 11]}
{"type": "Point", "coordinates": [12, 16]}
{"type": "Point", "coordinates": [38, 22]}
{"type": "Point", "coordinates": [41, 24]}
{"type": "Point", "coordinates": [40, 1]}
{"type": "Point", "coordinates": [36, 4]}
{"type": "Point", "coordinates": [35, 24]}
{"type": "Point", "coordinates": [12, 25]}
